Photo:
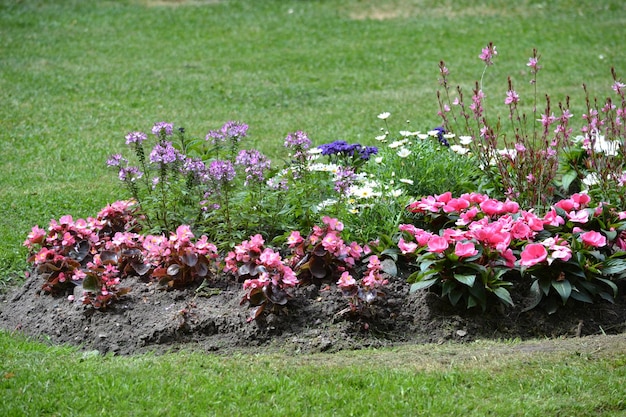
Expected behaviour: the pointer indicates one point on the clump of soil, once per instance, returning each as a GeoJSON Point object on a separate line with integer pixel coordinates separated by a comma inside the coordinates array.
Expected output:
{"type": "Point", "coordinates": [210, 318]}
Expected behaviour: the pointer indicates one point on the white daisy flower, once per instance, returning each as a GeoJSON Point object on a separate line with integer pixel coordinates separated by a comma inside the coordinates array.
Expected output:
{"type": "Point", "coordinates": [459, 149]}
{"type": "Point", "coordinates": [406, 181]}
{"type": "Point", "coordinates": [465, 140]}
{"type": "Point", "coordinates": [384, 115]}
{"type": "Point", "coordinates": [404, 152]}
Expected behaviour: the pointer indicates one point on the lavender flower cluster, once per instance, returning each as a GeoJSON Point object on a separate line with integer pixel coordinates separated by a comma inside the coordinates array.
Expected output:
{"type": "Point", "coordinates": [254, 163]}
{"type": "Point", "coordinates": [230, 131]}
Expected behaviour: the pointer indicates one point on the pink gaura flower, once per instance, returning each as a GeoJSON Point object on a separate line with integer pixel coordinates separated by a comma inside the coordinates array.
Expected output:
{"type": "Point", "coordinates": [465, 249]}
{"type": "Point", "coordinates": [593, 239]}
{"type": "Point", "coordinates": [437, 244]}
{"type": "Point", "coordinates": [533, 254]}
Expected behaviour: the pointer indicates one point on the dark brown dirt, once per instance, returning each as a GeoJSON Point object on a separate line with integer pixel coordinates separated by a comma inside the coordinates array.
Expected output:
{"type": "Point", "coordinates": [152, 320]}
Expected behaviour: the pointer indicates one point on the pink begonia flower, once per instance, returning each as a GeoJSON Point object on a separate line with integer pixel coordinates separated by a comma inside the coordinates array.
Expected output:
{"type": "Point", "coordinates": [256, 242]}
{"type": "Point", "coordinates": [407, 247]}
{"type": "Point", "coordinates": [533, 254]}
{"type": "Point", "coordinates": [580, 216]}
{"type": "Point", "coordinates": [294, 239]}
{"type": "Point", "coordinates": [36, 236]}
{"type": "Point", "coordinates": [271, 258]}
{"type": "Point", "coordinates": [437, 244]}
{"type": "Point", "coordinates": [593, 239]}
{"type": "Point", "coordinates": [333, 223]}
{"type": "Point", "coordinates": [621, 215]}
{"type": "Point", "coordinates": [465, 249]}
{"type": "Point", "coordinates": [289, 278]}
{"type": "Point", "coordinates": [346, 281]}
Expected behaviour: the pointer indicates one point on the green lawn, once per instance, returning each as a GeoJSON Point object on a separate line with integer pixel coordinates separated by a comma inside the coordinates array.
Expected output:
{"type": "Point", "coordinates": [77, 75]}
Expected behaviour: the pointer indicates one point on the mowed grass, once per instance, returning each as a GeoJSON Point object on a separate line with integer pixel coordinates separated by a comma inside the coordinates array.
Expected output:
{"type": "Point", "coordinates": [76, 76]}
{"type": "Point", "coordinates": [477, 379]}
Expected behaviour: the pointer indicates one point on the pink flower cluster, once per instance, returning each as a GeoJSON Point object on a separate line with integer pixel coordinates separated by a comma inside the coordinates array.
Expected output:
{"type": "Point", "coordinates": [106, 249]}
{"type": "Point", "coordinates": [371, 280]}
{"type": "Point", "coordinates": [251, 258]}
{"type": "Point", "coordinates": [497, 227]}
{"type": "Point", "coordinates": [329, 238]}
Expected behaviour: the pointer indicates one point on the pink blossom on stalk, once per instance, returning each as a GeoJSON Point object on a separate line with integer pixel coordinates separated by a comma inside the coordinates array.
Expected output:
{"type": "Point", "coordinates": [511, 97]}
{"type": "Point", "coordinates": [437, 244]}
{"type": "Point", "coordinates": [618, 86]}
{"type": "Point", "coordinates": [465, 249]}
{"type": "Point", "coordinates": [533, 254]}
{"type": "Point", "coordinates": [488, 53]}
{"type": "Point", "coordinates": [533, 63]}
{"type": "Point", "coordinates": [593, 239]}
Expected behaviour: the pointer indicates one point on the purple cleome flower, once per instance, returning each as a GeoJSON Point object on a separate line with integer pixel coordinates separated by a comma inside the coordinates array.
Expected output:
{"type": "Point", "coordinates": [233, 131]}
{"type": "Point", "coordinates": [164, 153]}
{"type": "Point", "coordinates": [298, 140]}
{"type": "Point", "coordinates": [162, 128]}
{"type": "Point", "coordinates": [116, 160]}
{"type": "Point", "coordinates": [136, 137]}
{"type": "Point", "coordinates": [130, 173]}
{"type": "Point", "coordinates": [255, 164]}
{"type": "Point", "coordinates": [221, 171]}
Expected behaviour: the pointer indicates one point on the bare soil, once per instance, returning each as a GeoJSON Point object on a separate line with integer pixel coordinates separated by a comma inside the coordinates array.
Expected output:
{"type": "Point", "coordinates": [211, 319]}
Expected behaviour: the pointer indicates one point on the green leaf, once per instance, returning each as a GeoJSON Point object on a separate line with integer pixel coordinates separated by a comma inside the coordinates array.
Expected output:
{"type": "Point", "coordinates": [389, 266]}
{"type": "Point", "coordinates": [568, 178]}
{"type": "Point", "coordinates": [535, 297]}
{"type": "Point", "coordinates": [91, 283]}
{"type": "Point", "coordinates": [610, 284]}
{"type": "Point", "coordinates": [421, 285]}
{"type": "Point", "coordinates": [581, 294]}
{"type": "Point", "coordinates": [455, 295]}
{"type": "Point", "coordinates": [504, 295]}
{"type": "Point", "coordinates": [465, 279]}
{"type": "Point", "coordinates": [614, 266]}
{"type": "Point", "coordinates": [564, 288]}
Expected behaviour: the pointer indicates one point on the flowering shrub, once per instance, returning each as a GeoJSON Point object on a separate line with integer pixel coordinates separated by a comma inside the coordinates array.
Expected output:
{"type": "Point", "coordinates": [266, 277]}
{"type": "Point", "coordinates": [97, 254]}
{"type": "Point", "coordinates": [476, 246]}
{"type": "Point", "coordinates": [79, 252]}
